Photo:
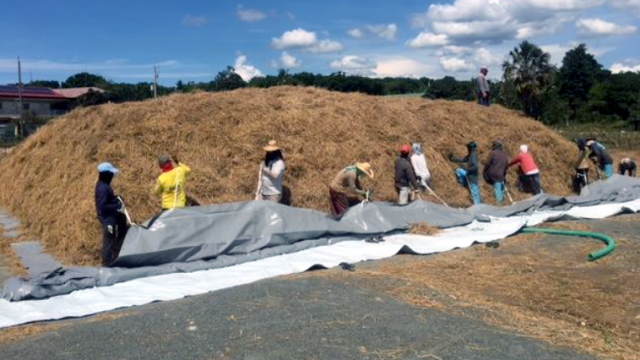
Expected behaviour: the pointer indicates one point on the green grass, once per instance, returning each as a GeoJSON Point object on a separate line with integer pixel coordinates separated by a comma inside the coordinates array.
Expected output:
{"type": "Point", "coordinates": [617, 135]}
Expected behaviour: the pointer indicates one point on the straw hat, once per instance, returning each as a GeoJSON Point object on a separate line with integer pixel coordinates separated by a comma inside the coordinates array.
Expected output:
{"type": "Point", "coordinates": [365, 167]}
{"type": "Point", "coordinates": [272, 146]}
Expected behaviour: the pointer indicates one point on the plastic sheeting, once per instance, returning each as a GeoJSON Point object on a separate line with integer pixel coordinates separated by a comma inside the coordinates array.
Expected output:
{"type": "Point", "coordinates": [207, 237]}
{"type": "Point", "coordinates": [177, 285]}
{"type": "Point", "coordinates": [360, 222]}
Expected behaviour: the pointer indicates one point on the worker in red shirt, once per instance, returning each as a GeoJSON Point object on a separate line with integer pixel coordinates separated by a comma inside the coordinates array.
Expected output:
{"type": "Point", "coordinates": [530, 178]}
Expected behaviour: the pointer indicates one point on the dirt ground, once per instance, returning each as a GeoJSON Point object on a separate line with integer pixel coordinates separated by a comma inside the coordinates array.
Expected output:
{"type": "Point", "coordinates": [541, 286]}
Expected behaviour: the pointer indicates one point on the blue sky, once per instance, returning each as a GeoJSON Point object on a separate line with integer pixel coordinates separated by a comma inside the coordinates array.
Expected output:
{"type": "Point", "coordinates": [192, 40]}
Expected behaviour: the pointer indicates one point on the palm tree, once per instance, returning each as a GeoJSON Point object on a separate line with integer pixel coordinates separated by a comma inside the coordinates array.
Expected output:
{"type": "Point", "coordinates": [530, 75]}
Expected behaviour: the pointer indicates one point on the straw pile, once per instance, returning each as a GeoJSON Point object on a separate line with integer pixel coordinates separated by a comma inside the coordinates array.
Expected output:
{"type": "Point", "coordinates": [48, 181]}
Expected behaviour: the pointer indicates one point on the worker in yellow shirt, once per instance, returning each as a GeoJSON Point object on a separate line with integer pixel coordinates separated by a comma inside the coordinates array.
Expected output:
{"type": "Point", "coordinates": [171, 183]}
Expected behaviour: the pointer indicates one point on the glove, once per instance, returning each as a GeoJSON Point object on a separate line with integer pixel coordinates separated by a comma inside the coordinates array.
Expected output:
{"type": "Point", "coordinates": [121, 207]}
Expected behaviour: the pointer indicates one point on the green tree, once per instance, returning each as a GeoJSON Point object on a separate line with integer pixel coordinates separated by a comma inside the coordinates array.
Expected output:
{"type": "Point", "coordinates": [579, 72]}
{"type": "Point", "coordinates": [616, 98]}
{"type": "Point", "coordinates": [228, 79]}
{"type": "Point", "coordinates": [85, 79]}
{"type": "Point", "coordinates": [45, 83]}
{"type": "Point", "coordinates": [529, 74]}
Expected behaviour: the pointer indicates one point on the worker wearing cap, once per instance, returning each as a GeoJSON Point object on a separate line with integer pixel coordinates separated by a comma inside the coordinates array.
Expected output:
{"type": "Point", "coordinates": [627, 167]}
{"type": "Point", "coordinates": [171, 183]}
{"type": "Point", "coordinates": [467, 175]}
{"type": "Point", "coordinates": [600, 157]}
{"type": "Point", "coordinates": [271, 173]}
{"type": "Point", "coordinates": [109, 210]}
{"type": "Point", "coordinates": [346, 189]}
{"type": "Point", "coordinates": [405, 177]}
{"type": "Point", "coordinates": [496, 169]}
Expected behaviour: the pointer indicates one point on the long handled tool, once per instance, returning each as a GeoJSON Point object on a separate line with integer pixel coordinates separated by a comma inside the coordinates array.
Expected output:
{"type": "Point", "coordinates": [125, 212]}
{"type": "Point", "coordinates": [259, 188]}
{"type": "Point", "coordinates": [436, 195]}
{"type": "Point", "coordinates": [506, 190]}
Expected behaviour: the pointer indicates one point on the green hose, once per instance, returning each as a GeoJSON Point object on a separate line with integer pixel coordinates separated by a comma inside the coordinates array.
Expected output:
{"type": "Point", "coordinates": [611, 243]}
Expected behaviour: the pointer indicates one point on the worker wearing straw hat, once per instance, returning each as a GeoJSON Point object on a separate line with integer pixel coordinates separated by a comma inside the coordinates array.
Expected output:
{"type": "Point", "coordinates": [346, 189]}
{"type": "Point", "coordinates": [171, 183]}
{"type": "Point", "coordinates": [272, 171]}
{"type": "Point", "coordinates": [109, 209]}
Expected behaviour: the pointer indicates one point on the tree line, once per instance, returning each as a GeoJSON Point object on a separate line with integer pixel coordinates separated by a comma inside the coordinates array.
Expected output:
{"type": "Point", "coordinates": [580, 90]}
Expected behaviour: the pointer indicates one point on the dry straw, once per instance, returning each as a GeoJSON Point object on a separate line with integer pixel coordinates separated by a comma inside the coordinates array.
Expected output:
{"type": "Point", "coordinates": [48, 181]}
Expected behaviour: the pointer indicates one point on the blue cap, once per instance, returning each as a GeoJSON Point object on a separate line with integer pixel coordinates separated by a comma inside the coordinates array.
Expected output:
{"type": "Point", "coordinates": [105, 166]}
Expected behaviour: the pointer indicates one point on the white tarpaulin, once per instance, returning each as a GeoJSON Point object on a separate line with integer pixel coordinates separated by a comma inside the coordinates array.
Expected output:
{"type": "Point", "coordinates": [174, 286]}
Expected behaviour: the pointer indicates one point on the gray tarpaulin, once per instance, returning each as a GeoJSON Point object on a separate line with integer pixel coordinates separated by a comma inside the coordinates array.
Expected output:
{"type": "Point", "coordinates": [206, 237]}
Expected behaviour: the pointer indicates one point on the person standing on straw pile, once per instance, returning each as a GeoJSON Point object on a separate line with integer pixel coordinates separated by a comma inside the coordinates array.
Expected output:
{"type": "Point", "coordinates": [482, 88]}
{"type": "Point", "coordinates": [109, 210]}
{"type": "Point", "coordinates": [496, 169]}
{"type": "Point", "coordinates": [600, 156]}
{"type": "Point", "coordinates": [171, 183]}
{"type": "Point", "coordinates": [271, 174]}
{"type": "Point", "coordinates": [530, 178]}
{"type": "Point", "coordinates": [468, 175]}
{"type": "Point", "coordinates": [405, 178]}
{"type": "Point", "coordinates": [346, 189]}
{"type": "Point", "coordinates": [419, 163]}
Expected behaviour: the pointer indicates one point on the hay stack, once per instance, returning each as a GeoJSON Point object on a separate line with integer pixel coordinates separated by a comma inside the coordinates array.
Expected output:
{"type": "Point", "coordinates": [48, 181]}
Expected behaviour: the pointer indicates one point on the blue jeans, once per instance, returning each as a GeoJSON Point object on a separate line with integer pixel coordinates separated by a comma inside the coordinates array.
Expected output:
{"type": "Point", "coordinates": [498, 188]}
{"type": "Point", "coordinates": [474, 188]}
{"type": "Point", "coordinates": [608, 170]}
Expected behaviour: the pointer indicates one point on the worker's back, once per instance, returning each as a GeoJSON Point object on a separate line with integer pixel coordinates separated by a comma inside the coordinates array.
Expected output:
{"type": "Point", "coordinates": [170, 186]}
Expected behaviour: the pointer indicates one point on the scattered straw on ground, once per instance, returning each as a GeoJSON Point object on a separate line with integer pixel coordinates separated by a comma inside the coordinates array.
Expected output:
{"type": "Point", "coordinates": [423, 229]}
{"type": "Point", "coordinates": [48, 181]}
{"type": "Point", "coordinates": [533, 284]}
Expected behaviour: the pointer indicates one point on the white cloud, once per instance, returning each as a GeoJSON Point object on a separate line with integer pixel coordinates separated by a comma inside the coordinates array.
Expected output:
{"type": "Point", "coordinates": [495, 21]}
{"type": "Point", "coordinates": [246, 71]}
{"type": "Point", "coordinates": [387, 31]}
{"type": "Point", "coordinates": [250, 15]}
{"type": "Point", "coordinates": [625, 67]}
{"type": "Point", "coordinates": [353, 64]}
{"type": "Point", "coordinates": [599, 27]}
{"type": "Point", "coordinates": [557, 52]}
{"type": "Point", "coordinates": [454, 64]}
{"type": "Point", "coordinates": [384, 31]}
{"type": "Point", "coordinates": [633, 5]}
{"type": "Point", "coordinates": [356, 33]}
{"type": "Point", "coordinates": [325, 46]}
{"type": "Point", "coordinates": [454, 50]}
{"type": "Point", "coordinates": [289, 61]}
{"type": "Point", "coordinates": [402, 67]}
{"type": "Point", "coordinates": [305, 40]}
{"type": "Point", "coordinates": [194, 21]}
{"type": "Point", "coordinates": [485, 58]}
{"type": "Point", "coordinates": [425, 39]}
{"type": "Point", "coordinates": [297, 38]}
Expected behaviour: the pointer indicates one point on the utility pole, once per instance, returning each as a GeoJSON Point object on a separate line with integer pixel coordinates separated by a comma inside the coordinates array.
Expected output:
{"type": "Point", "coordinates": [18, 131]}
{"type": "Point", "coordinates": [155, 81]}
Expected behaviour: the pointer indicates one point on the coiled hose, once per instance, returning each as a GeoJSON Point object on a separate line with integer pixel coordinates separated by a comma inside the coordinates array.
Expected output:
{"type": "Point", "coordinates": [611, 243]}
